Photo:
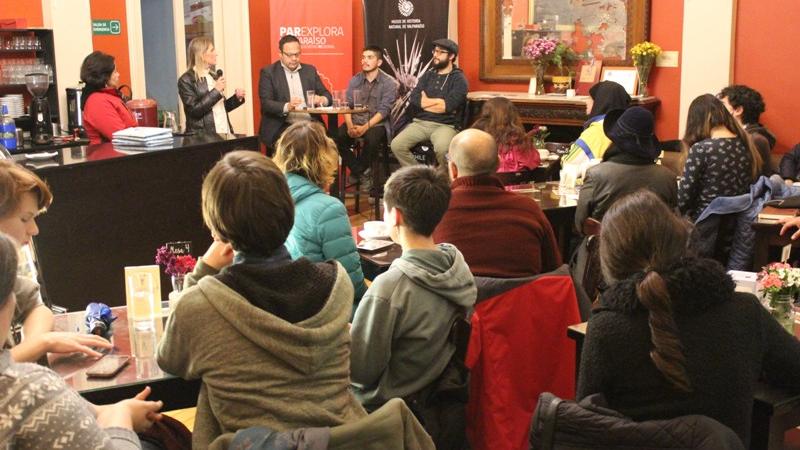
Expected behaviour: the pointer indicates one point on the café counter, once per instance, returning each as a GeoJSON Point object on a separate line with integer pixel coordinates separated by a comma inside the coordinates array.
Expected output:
{"type": "Point", "coordinates": [114, 208]}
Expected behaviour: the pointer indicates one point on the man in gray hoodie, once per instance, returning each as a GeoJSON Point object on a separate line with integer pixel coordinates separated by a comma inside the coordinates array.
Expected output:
{"type": "Point", "coordinates": [400, 330]}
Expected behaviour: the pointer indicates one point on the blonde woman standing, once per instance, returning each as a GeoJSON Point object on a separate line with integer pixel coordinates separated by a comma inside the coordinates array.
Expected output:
{"type": "Point", "coordinates": [202, 90]}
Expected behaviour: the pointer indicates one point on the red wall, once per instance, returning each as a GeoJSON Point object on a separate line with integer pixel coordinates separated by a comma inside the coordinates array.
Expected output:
{"type": "Point", "coordinates": [766, 39]}
{"type": "Point", "coordinates": [30, 10]}
{"type": "Point", "coordinates": [114, 45]}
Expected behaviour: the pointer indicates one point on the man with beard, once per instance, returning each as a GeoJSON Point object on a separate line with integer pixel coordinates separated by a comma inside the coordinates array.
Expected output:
{"type": "Point", "coordinates": [436, 105]}
{"type": "Point", "coordinates": [282, 88]}
{"type": "Point", "coordinates": [378, 92]}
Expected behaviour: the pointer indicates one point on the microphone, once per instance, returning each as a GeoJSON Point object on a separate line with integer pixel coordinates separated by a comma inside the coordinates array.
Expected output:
{"type": "Point", "coordinates": [219, 73]}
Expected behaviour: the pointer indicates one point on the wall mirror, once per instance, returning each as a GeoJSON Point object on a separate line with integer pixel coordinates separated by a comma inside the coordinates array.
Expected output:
{"type": "Point", "coordinates": [606, 29]}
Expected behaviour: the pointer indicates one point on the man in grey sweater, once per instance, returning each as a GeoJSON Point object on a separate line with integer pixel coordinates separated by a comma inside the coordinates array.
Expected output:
{"type": "Point", "coordinates": [400, 331]}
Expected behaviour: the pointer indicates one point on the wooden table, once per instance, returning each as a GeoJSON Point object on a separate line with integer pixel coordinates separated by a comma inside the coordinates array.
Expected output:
{"type": "Point", "coordinates": [774, 410]}
{"type": "Point", "coordinates": [375, 263]}
{"type": "Point", "coordinates": [548, 109]}
{"type": "Point", "coordinates": [142, 371]}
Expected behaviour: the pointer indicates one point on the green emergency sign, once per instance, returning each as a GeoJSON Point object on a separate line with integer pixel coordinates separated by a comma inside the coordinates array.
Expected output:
{"type": "Point", "coordinates": [106, 26]}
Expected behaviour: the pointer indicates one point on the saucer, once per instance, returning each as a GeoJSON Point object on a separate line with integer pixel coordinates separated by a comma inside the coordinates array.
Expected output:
{"type": "Point", "coordinates": [41, 155]}
{"type": "Point", "coordinates": [365, 235]}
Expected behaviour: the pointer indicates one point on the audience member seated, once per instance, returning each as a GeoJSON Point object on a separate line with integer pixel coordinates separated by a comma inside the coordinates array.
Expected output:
{"type": "Point", "coordinates": [282, 89]}
{"type": "Point", "coordinates": [39, 410]}
{"type": "Point", "coordinates": [321, 228]}
{"type": "Point", "coordinates": [202, 91]}
{"type": "Point", "coordinates": [501, 234]}
{"type": "Point", "coordinates": [746, 106]}
{"type": "Point", "coordinates": [436, 106]}
{"type": "Point", "coordinates": [790, 165]}
{"type": "Point", "coordinates": [379, 92]}
{"type": "Point", "coordinates": [628, 165]}
{"type": "Point", "coordinates": [671, 337]}
{"type": "Point", "coordinates": [605, 96]}
{"type": "Point", "coordinates": [104, 112]}
{"type": "Point", "coordinates": [266, 335]}
{"type": "Point", "coordinates": [400, 331]}
{"type": "Point", "coordinates": [721, 162]}
{"type": "Point", "coordinates": [23, 196]}
{"type": "Point", "coordinates": [500, 118]}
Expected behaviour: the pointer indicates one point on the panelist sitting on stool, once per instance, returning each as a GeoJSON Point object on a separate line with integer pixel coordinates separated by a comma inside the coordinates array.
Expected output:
{"type": "Point", "coordinates": [282, 88]}
{"type": "Point", "coordinates": [378, 93]}
{"type": "Point", "coordinates": [436, 105]}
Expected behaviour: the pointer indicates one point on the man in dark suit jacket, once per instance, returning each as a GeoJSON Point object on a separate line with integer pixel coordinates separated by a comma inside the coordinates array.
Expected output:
{"type": "Point", "coordinates": [282, 87]}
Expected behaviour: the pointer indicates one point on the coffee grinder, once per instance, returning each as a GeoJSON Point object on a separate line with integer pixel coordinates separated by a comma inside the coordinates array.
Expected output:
{"type": "Point", "coordinates": [41, 129]}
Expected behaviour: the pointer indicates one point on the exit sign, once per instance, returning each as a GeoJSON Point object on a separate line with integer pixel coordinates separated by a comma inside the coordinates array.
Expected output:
{"type": "Point", "coordinates": [106, 26]}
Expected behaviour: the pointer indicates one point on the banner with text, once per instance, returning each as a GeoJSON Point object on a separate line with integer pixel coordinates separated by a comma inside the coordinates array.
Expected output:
{"type": "Point", "coordinates": [325, 31]}
{"type": "Point", "coordinates": [405, 29]}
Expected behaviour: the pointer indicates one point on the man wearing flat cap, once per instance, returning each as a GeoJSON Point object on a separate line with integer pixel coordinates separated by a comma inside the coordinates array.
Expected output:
{"type": "Point", "coordinates": [436, 105]}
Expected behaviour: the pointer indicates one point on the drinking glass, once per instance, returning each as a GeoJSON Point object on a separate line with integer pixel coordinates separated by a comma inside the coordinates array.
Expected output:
{"type": "Point", "coordinates": [357, 98]}
{"type": "Point", "coordinates": [142, 307]}
{"type": "Point", "coordinates": [310, 98]}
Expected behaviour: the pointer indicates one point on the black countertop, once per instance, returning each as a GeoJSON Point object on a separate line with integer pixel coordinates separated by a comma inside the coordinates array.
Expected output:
{"type": "Point", "coordinates": [46, 158]}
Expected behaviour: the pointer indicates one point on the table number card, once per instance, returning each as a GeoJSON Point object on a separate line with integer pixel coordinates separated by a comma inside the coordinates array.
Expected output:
{"type": "Point", "coordinates": [180, 248]}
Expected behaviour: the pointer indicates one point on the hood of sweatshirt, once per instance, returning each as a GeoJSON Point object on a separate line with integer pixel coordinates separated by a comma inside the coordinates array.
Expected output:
{"type": "Point", "coordinates": [444, 272]}
{"type": "Point", "coordinates": [318, 295]}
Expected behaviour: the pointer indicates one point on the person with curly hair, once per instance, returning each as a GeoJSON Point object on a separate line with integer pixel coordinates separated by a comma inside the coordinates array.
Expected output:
{"type": "Point", "coordinates": [746, 106]}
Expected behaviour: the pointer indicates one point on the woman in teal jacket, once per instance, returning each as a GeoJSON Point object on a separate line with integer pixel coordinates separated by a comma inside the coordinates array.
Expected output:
{"type": "Point", "coordinates": [321, 228]}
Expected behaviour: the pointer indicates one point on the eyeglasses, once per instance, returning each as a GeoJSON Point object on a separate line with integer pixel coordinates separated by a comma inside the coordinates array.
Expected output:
{"type": "Point", "coordinates": [436, 51]}
{"type": "Point", "coordinates": [291, 55]}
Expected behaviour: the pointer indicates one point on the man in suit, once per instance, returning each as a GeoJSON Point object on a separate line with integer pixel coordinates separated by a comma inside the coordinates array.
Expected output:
{"type": "Point", "coordinates": [282, 88]}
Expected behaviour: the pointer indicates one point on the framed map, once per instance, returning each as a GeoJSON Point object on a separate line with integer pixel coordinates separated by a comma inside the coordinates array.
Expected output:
{"type": "Point", "coordinates": [600, 29]}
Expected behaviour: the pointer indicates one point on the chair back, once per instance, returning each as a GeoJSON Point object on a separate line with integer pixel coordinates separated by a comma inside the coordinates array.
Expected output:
{"type": "Point", "coordinates": [518, 348]}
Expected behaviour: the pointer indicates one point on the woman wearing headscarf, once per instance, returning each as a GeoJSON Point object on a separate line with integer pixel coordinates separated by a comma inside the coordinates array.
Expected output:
{"type": "Point", "coordinates": [628, 165]}
{"type": "Point", "coordinates": [604, 96]}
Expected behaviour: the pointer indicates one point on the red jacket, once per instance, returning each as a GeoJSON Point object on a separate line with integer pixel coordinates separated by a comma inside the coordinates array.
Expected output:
{"type": "Point", "coordinates": [518, 349]}
{"type": "Point", "coordinates": [105, 113]}
{"type": "Point", "coordinates": [500, 234]}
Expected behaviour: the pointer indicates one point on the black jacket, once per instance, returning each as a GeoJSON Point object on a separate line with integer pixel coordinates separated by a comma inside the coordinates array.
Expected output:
{"type": "Point", "coordinates": [608, 181]}
{"type": "Point", "coordinates": [589, 425]}
{"type": "Point", "coordinates": [273, 90]}
{"type": "Point", "coordinates": [728, 338]}
{"type": "Point", "coordinates": [198, 101]}
{"type": "Point", "coordinates": [790, 164]}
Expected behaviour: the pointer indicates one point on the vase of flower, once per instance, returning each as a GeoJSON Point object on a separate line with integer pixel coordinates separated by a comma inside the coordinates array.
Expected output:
{"type": "Point", "coordinates": [176, 266]}
{"type": "Point", "coordinates": [644, 56]}
{"type": "Point", "coordinates": [538, 70]}
{"type": "Point", "coordinates": [177, 282]}
{"type": "Point", "coordinates": [644, 76]}
{"type": "Point", "coordinates": [780, 306]}
{"type": "Point", "coordinates": [780, 283]}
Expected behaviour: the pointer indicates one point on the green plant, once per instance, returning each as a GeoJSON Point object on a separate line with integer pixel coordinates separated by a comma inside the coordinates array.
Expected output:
{"type": "Point", "coordinates": [564, 57]}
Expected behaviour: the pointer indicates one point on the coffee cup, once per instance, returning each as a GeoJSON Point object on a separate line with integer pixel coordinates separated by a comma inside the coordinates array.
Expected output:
{"type": "Point", "coordinates": [543, 153]}
{"type": "Point", "coordinates": [570, 93]}
{"type": "Point", "coordinates": [375, 228]}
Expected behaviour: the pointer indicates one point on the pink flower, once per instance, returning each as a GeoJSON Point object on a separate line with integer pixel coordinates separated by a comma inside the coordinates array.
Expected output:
{"type": "Point", "coordinates": [772, 281]}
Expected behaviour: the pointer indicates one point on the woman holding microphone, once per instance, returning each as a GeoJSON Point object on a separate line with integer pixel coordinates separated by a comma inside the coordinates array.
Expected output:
{"type": "Point", "coordinates": [202, 90]}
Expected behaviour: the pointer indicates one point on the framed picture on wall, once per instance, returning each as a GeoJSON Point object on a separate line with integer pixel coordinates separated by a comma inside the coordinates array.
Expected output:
{"type": "Point", "coordinates": [624, 75]}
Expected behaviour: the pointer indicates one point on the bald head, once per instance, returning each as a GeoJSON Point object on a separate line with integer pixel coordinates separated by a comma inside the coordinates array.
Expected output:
{"type": "Point", "coordinates": [474, 152]}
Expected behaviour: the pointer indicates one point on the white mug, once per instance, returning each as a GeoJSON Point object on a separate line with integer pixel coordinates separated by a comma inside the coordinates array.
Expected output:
{"type": "Point", "coordinates": [570, 93]}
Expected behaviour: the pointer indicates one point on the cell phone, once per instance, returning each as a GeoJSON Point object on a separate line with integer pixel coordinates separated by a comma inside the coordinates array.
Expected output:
{"type": "Point", "coordinates": [108, 366]}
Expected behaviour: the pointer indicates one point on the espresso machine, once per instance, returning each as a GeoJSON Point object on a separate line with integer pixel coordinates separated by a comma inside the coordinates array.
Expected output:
{"type": "Point", "coordinates": [41, 126]}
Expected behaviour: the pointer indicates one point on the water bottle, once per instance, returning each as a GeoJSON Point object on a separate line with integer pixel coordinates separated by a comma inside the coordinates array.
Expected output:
{"type": "Point", "coordinates": [8, 129]}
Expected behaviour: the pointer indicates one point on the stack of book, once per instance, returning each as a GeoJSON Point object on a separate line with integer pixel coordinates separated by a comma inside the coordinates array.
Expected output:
{"type": "Point", "coordinates": [142, 138]}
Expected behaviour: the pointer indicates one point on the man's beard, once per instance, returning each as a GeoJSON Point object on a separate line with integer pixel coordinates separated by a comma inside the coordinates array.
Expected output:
{"type": "Point", "coordinates": [441, 64]}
